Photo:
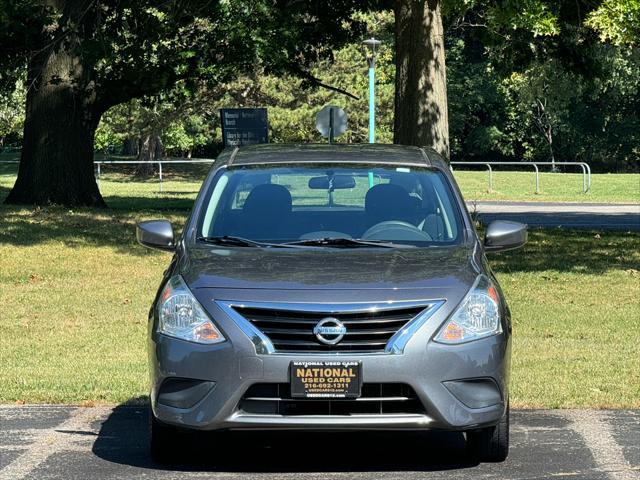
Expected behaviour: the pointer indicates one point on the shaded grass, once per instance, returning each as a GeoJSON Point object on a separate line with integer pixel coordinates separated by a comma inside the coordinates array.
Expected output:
{"type": "Point", "coordinates": [75, 290]}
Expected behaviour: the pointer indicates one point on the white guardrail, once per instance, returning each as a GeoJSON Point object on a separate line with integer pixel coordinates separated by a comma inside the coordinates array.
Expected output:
{"type": "Point", "coordinates": [586, 170]}
{"type": "Point", "coordinates": [98, 163]}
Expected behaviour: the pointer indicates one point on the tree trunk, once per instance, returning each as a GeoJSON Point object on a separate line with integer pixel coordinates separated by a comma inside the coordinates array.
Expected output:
{"type": "Point", "coordinates": [421, 116]}
{"type": "Point", "coordinates": [130, 146]}
{"type": "Point", "coordinates": [56, 165]}
{"type": "Point", "coordinates": [151, 148]}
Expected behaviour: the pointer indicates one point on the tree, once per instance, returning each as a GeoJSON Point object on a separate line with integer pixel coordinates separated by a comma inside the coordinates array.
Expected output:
{"type": "Point", "coordinates": [421, 105]}
{"type": "Point", "coordinates": [421, 111]}
{"type": "Point", "coordinates": [293, 107]}
{"type": "Point", "coordinates": [86, 56]}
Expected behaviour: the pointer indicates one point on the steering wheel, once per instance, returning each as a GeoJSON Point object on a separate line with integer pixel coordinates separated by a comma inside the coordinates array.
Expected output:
{"type": "Point", "coordinates": [393, 230]}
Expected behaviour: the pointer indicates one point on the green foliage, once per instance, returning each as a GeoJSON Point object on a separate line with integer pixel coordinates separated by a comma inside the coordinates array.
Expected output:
{"type": "Point", "coordinates": [528, 81]}
{"type": "Point", "coordinates": [591, 119]}
{"type": "Point", "coordinates": [12, 112]}
{"type": "Point", "coordinates": [177, 117]}
{"type": "Point", "coordinates": [293, 108]}
{"type": "Point", "coordinates": [504, 60]}
{"type": "Point", "coordinates": [133, 48]}
{"type": "Point", "coordinates": [477, 112]}
{"type": "Point", "coordinates": [292, 102]}
{"type": "Point", "coordinates": [21, 23]}
{"type": "Point", "coordinates": [534, 16]}
{"type": "Point", "coordinates": [617, 21]}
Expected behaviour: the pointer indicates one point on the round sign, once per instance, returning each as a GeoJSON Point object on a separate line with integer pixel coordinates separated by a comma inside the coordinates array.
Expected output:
{"type": "Point", "coordinates": [324, 121]}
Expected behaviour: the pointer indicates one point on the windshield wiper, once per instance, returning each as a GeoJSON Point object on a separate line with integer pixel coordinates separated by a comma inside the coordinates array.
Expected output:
{"type": "Point", "coordinates": [335, 242]}
{"type": "Point", "coordinates": [235, 241]}
{"type": "Point", "coordinates": [342, 242]}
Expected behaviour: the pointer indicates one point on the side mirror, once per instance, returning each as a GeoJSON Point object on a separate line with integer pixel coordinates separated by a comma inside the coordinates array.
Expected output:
{"type": "Point", "coordinates": [504, 235]}
{"type": "Point", "coordinates": [156, 234]}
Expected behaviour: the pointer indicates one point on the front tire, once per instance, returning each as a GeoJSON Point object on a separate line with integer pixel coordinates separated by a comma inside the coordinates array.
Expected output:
{"type": "Point", "coordinates": [490, 444]}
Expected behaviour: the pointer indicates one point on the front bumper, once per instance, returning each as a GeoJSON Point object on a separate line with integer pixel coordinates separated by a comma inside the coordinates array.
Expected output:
{"type": "Point", "coordinates": [233, 367]}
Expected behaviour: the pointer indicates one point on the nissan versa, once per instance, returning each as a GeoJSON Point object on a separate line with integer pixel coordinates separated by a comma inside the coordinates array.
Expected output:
{"type": "Point", "coordinates": [331, 287]}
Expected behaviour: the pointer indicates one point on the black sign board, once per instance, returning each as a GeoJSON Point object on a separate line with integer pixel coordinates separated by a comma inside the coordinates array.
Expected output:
{"type": "Point", "coordinates": [244, 126]}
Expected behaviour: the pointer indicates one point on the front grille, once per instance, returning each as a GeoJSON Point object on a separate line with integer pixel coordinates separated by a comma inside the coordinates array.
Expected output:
{"type": "Point", "coordinates": [292, 331]}
{"type": "Point", "coordinates": [376, 399]}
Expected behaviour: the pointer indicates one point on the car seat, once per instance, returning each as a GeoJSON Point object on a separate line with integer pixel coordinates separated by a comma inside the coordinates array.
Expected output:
{"type": "Point", "coordinates": [266, 212]}
{"type": "Point", "coordinates": [386, 202]}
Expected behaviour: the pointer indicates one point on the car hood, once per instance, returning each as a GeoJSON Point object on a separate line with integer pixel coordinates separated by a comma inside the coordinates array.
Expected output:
{"type": "Point", "coordinates": [447, 268]}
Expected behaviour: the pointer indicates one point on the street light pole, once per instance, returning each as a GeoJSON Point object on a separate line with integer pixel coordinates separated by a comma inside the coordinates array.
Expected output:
{"type": "Point", "coordinates": [371, 44]}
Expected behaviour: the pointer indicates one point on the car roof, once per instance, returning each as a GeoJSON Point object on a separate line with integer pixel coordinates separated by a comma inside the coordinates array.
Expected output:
{"type": "Point", "coordinates": [333, 153]}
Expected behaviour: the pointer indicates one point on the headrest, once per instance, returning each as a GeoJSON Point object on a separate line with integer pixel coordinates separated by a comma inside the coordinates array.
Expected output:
{"type": "Point", "coordinates": [268, 199]}
{"type": "Point", "coordinates": [388, 202]}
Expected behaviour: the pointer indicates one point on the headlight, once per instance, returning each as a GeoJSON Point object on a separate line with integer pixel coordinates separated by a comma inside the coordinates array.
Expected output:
{"type": "Point", "coordinates": [181, 316]}
{"type": "Point", "coordinates": [478, 315]}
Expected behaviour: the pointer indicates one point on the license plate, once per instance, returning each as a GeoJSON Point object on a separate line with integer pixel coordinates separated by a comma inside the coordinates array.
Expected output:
{"type": "Point", "coordinates": [325, 379]}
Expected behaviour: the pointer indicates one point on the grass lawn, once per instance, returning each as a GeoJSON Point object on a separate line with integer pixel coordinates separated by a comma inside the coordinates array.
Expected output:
{"type": "Point", "coordinates": [565, 187]}
{"type": "Point", "coordinates": [75, 290]}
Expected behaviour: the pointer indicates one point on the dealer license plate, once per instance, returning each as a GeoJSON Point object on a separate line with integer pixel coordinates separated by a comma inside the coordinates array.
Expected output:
{"type": "Point", "coordinates": [335, 379]}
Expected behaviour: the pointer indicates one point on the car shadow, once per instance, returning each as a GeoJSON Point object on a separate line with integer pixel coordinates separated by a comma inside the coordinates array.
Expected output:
{"type": "Point", "coordinates": [123, 439]}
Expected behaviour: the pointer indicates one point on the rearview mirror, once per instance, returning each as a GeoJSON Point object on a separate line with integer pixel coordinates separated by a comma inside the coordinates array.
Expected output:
{"type": "Point", "coordinates": [504, 235]}
{"type": "Point", "coordinates": [156, 234]}
{"type": "Point", "coordinates": [335, 182]}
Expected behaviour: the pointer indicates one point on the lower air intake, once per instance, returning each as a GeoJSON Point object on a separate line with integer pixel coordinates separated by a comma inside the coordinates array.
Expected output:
{"type": "Point", "coordinates": [376, 399]}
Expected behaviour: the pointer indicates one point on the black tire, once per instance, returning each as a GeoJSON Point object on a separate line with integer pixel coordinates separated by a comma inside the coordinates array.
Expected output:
{"type": "Point", "coordinates": [164, 441]}
{"type": "Point", "coordinates": [490, 444]}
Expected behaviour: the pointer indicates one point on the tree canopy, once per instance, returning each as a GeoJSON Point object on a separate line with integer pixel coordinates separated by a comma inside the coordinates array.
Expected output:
{"type": "Point", "coordinates": [500, 108]}
{"type": "Point", "coordinates": [534, 79]}
{"type": "Point", "coordinates": [85, 56]}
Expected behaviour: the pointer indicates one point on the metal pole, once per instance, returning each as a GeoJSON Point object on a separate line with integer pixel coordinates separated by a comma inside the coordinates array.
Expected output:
{"type": "Point", "coordinates": [160, 173]}
{"type": "Point", "coordinates": [537, 178]}
{"type": "Point", "coordinates": [490, 178]}
{"type": "Point", "coordinates": [372, 99]}
{"type": "Point", "coordinates": [98, 175]}
{"type": "Point", "coordinates": [584, 178]}
{"type": "Point", "coordinates": [330, 125]}
{"type": "Point", "coordinates": [371, 44]}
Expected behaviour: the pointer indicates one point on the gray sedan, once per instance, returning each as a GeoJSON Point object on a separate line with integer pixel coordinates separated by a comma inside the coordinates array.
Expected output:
{"type": "Point", "coordinates": [330, 287]}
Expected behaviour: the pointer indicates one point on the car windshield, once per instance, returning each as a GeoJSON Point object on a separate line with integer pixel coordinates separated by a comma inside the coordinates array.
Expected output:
{"type": "Point", "coordinates": [327, 205]}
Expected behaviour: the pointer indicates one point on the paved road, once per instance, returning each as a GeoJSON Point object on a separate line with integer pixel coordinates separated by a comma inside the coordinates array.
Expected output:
{"type": "Point", "coordinates": [597, 216]}
{"type": "Point", "coordinates": [59, 442]}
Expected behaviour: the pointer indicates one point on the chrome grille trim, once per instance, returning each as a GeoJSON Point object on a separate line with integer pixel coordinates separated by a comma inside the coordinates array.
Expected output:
{"type": "Point", "coordinates": [395, 345]}
{"type": "Point", "coordinates": [377, 399]}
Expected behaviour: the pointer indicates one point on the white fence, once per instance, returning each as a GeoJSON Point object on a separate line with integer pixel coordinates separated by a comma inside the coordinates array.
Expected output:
{"type": "Point", "coordinates": [586, 170]}
{"type": "Point", "coordinates": [99, 163]}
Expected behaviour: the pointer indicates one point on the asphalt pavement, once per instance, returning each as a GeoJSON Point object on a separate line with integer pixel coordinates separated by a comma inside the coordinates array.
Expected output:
{"type": "Point", "coordinates": [63, 442]}
{"type": "Point", "coordinates": [596, 216]}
